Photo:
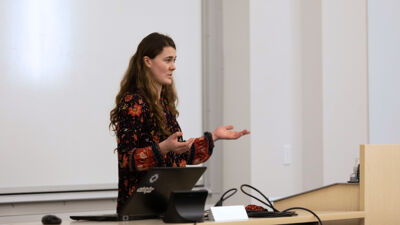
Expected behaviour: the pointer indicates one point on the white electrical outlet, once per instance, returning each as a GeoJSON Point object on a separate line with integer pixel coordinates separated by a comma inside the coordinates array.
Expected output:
{"type": "Point", "coordinates": [287, 154]}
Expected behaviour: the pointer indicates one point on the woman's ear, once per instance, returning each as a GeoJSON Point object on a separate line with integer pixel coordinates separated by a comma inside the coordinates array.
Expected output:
{"type": "Point", "coordinates": [147, 61]}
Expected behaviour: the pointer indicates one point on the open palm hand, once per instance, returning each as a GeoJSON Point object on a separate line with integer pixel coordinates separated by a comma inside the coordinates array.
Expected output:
{"type": "Point", "coordinates": [226, 132]}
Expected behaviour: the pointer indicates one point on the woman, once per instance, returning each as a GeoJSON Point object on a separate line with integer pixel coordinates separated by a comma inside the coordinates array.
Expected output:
{"type": "Point", "coordinates": [144, 118]}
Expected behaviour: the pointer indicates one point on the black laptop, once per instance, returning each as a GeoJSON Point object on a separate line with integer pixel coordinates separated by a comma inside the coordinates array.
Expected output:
{"type": "Point", "coordinates": [151, 196]}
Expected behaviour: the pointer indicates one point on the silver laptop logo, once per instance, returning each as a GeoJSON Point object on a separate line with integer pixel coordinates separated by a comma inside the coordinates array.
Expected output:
{"type": "Point", "coordinates": [145, 190]}
{"type": "Point", "coordinates": [153, 178]}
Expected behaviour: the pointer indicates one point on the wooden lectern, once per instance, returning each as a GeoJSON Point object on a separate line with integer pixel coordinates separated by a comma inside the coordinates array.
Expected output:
{"type": "Point", "coordinates": [374, 201]}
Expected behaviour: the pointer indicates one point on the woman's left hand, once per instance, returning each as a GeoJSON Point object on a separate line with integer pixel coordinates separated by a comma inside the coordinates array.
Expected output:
{"type": "Point", "coordinates": [226, 132]}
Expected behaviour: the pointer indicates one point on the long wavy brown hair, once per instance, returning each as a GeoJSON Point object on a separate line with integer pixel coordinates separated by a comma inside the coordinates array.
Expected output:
{"type": "Point", "coordinates": [138, 79]}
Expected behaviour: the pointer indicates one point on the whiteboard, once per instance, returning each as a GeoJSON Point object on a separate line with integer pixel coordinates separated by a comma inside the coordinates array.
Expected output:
{"type": "Point", "coordinates": [60, 67]}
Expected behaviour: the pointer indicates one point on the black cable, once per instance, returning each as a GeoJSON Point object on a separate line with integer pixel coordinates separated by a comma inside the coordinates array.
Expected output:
{"type": "Point", "coordinates": [223, 198]}
{"type": "Point", "coordinates": [316, 216]}
{"type": "Point", "coordinates": [269, 204]}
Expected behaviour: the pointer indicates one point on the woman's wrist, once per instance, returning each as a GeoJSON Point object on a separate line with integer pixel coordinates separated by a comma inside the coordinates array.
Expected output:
{"type": "Point", "coordinates": [214, 137]}
{"type": "Point", "coordinates": [162, 148]}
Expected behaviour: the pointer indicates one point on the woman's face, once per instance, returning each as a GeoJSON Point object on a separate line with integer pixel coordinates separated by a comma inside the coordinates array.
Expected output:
{"type": "Point", "coordinates": [162, 66]}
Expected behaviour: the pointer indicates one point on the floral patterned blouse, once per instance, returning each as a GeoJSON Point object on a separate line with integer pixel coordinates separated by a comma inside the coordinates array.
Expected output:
{"type": "Point", "coordinates": [138, 137]}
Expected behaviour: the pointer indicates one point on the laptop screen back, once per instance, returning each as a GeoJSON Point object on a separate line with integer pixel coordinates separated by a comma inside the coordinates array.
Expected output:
{"type": "Point", "coordinates": [152, 194]}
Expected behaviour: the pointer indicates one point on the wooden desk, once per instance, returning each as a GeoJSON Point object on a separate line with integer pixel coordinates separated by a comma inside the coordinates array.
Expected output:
{"type": "Point", "coordinates": [303, 217]}
{"type": "Point", "coordinates": [374, 201]}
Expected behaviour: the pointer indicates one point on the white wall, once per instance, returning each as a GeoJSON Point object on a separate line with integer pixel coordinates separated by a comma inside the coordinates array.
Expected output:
{"type": "Point", "coordinates": [236, 94]}
{"type": "Point", "coordinates": [308, 91]}
{"type": "Point", "coordinates": [276, 96]}
{"type": "Point", "coordinates": [311, 58]}
{"type": "Point", "coordinates": [344, 77]}
{"type": "Point", "coordinates": [384, 71]}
